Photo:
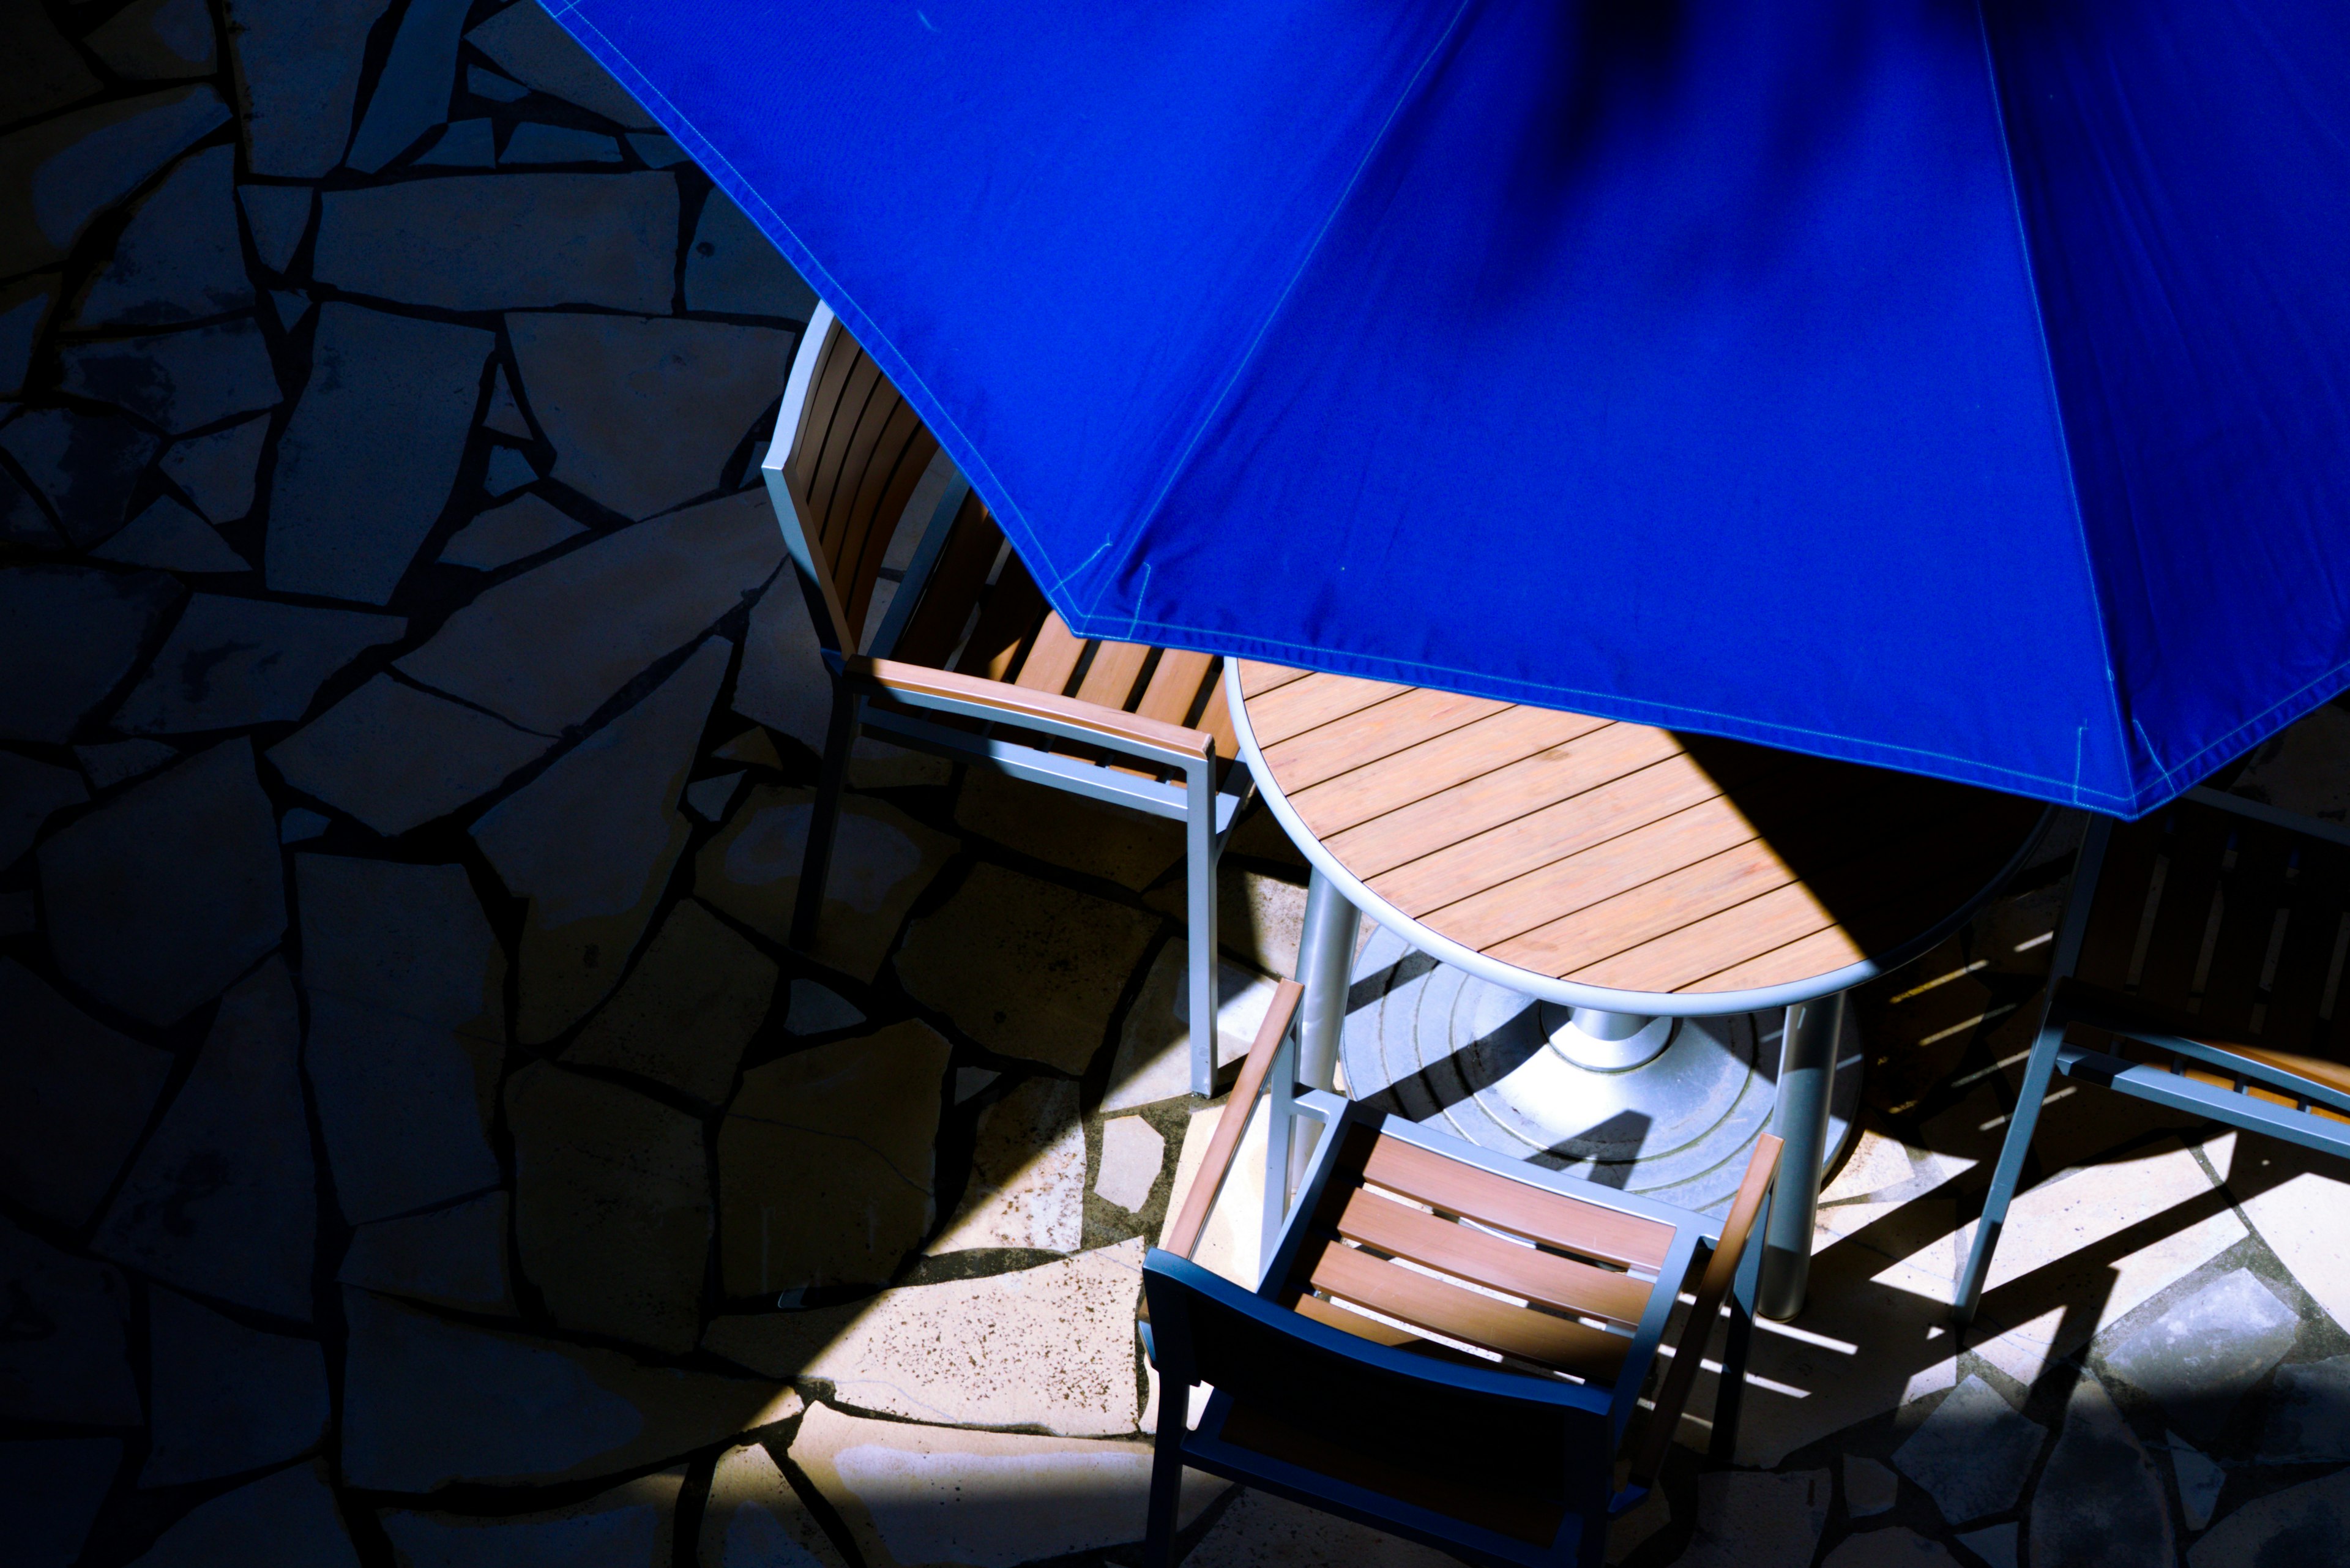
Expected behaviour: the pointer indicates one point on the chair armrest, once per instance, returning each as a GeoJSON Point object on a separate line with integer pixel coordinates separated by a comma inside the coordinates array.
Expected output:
{"type": "Point", "coordinates": [915, 681]}
{"type": "Point", "coordinates": [2122, 1013]}
{"type": "Point", "coordinates": [1688, 1351]}
{"type": "Point", "coordinates": [1218, 1164]}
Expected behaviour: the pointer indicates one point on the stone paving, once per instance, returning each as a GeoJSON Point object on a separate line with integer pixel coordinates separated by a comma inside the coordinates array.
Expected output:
{"type": "Point", "coordinates": [418, 1144]}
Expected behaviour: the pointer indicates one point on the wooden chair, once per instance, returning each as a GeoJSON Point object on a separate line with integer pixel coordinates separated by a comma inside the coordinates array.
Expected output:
{"type": "Point", "coordinates": [967, 661]}
{"type": "Point", "coordinates": [2197, 966]}
{"type": "Point", "coordinates": [1446, 1345]}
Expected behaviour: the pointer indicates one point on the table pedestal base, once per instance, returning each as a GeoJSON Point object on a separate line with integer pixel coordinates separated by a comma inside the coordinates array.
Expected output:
{"type": "Point", "coordinates": [1433, 1043]}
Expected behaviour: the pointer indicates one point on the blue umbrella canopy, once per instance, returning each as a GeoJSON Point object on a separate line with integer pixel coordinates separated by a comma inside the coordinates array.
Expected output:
{"type": "Point", "coordinates": [1957, 387]}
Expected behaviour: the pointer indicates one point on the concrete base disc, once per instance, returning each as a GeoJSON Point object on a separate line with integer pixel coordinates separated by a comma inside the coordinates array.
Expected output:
{"type": "Point", "coordinates": [1430, 1043]}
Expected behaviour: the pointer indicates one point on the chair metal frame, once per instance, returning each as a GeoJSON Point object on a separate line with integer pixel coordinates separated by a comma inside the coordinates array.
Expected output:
{"type": "Point", "coordinates": [1593, 1418]}
{"type": "Point", "coordinates": [2250, 1068]}
{"type": "Point", "coordinates": [871, 692]}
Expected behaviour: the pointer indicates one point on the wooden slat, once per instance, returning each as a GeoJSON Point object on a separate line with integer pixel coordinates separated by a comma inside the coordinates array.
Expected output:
{"type": "Point", "coordinates": [846, 443]}
{"type": "Point", "coordinates": [1335, 1316]}
{"type": "Point", "coordinates": [1052, 657]}
{"type": "Point", "coordinates": [1257, 678]}
{"type": "Point", "coordinates": [841, 358]}
{"type": "Point", "coordinates": [1510, 819]}
{"type": "Point", "coordinates": [1551, 1218]}
{"type": "Point", "coordinates": [1331, 750]}
{"type": "Point", "coordinates": [1554, 1282]}
{"type": "Point", "coordinates": [1433, 766]}
{"type": "Point", "coordinates": [1009, 618]}
{"type": "Point", "coordinates": [2318, 890]}
{"type": "Point", "coordinates": [878, 508]}
{"type": "Point", "coordinates": [1174, 689]}
{"type": "Point", "coordinates": [1232, 1123]}
{"type": "Point", "coordinates": [2250, 896]}
{"type": "Point", "coordinates": [1111, 678]}
{"type": "Point", "coordinates": [1216, 718]}
{"type": "Point", "coordinates": [1293, 708]}
{"type": "Point", "coordinates": [2196, 844]}
{"type": "Point", "coordinates": [883, 676]}
{"type": "Point", "coordinates": [1457, 1313]}
{"type": "Point", "coordinates": [2119, 904]}
{"type": "Point", "coordinates": [957, 579]}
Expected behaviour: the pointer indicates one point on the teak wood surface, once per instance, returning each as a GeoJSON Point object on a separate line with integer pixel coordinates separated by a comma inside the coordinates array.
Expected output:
{"type": "Point", "coordinates": [1617, 855]}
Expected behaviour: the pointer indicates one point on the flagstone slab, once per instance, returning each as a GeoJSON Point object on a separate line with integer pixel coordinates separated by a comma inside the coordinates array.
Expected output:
{"type": "Point", "coordinates": [224, 1398]}
{"type": "Point", "coordinates": [2304, 1523]}
{"type": "Point", "coordinates": [280, 219]}
{"type": "Point", "coordinates": [465, 144]}
{"type": "Point", "coordinates": [23, 308]}
{"type": "Point", "coordinates": [508, 471]}
{"type": "Point", "coordinates": [548, 647]}
{"type": "Point", "coordinates": [628, 1526]}
{"type": "Point", "coordinates": [407, 1038]}
{"type": "Point", "coordinates": [168, 536]}
{"type": "Point", "coordinates": [1029, 969]}
{"type": "Point", "coordinates": [119, 762]}
{"type": "Point", "coordinates": [816, 1010]}
{"type": "Point", "coordinates": [1132, 1156]}
{"type": "Point", "coordinates": [1258, 916]}
{"type": "Point", "coordinates": [215, 471]}
{"type": "Point", "coordinates": [644, 411]}
{"type": "Point", "coordinates": [1027, 1186]}
{"type": "Point", "coordinates": [2205, 1353]}
{"type": "Point", "coordinates": [1262, 1528]}
{"type": "Point", "coordinates": [83, 629]}
{"type": "Point", "coordinates": [2308, 1416]}
{"type": "Point", "coordinates": [2099, 1501]}
{"type": "Point", "coordinates": [532, 47]}
{"type": "Point", "coordinates": [505, 242]}
{"type": "Point", "coordinates": [411, 93]}
{"type": "Point", "coordinates": [427, 1402]}
{"type": "Point", "coordinates": [79, 1096]}
{"type": "Point", "coordinates": [163, 895]}
{"type": "Point", "coordinates": [683, 1016]}
{"type": "Point", "coordinates": [223, 1198]}
{"type": "Point", "coordinates": [297, 69]}
{"type": "Point", "coordinates": [1973, 1454]}
{"type": "Point", "coordinates": [454, 1257]}
{"type": "Point", "coordinates": [504, 535]}
{"type": "Point", "coordinates": [882, 861]}
{"type": "Point", "coordinates": [534, 142]}
{"type": "Point", "coordinates": [58, 176]}
{"type": "Point", "coordinates": [287, 1519]}
{"type": "Point", "coordinates": [1894, 1548]}
{"type": "Point", "coordinates": [366, 465]}
{"type": "Point", "coordinates": [709, 798]}
{"type": "Point", "coordinates": [1995, 1546]}
{"type": "Point", "coordinates": [612, 1215]}
{"type": "Point", "coordinates": [65, 1357]}
{"type": "Point", "coordinates": [1049, 1346]}
{"type": "Point", "coordinates": [1869, 1489]}
{"type": "Point", "coordinates": [618, 790]}
{"type": "Point", "coordinates": [917, 1495]}
{"type": "Point", "coordinates": [178, 381]}
{"type": "Point", "coordinates": [2201, 1481]}
{"type": "Point", "coordinates": [1067, 830]}
{"type": "Point", "coordinates": [2300, 1218]}
{"type": "Point", "coordinates": [1154, 1045]}
{"type": "Point", "coordinates": [782, 683]}
{"type": "Point", "coordinates": [39, 70]}
{"type": "Point", "coordinates": [754, 1520]}
{"type": "Point", "coordinates": [1746, 1520]}
{"type": "Point", "coordinates": [181, 258]}
{"type": "Point", "coordinates": [157, 40]}
{"type": "Point", "coordinates": [231, 662]}
{"type": "Point", "coordinates": [732, 269]}
{"type": "Point", "coordinates": [55, 1488]}
{"type": "Point", "coordinates": [30, 794]}
{"type": "Point", "coordinates": [86, 466]}
{"type": "Point", "coordinates": [397, 757]}
{"type": "Point", "coordinates": [827, 1168]}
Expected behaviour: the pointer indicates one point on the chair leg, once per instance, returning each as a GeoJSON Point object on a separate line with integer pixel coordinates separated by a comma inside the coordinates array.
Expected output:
{"type": "Point", "coordinates": [815, 863]}
{"type": "Point", "coordinates": [2036, 1074]}
{"type": "Point", "coordinates": [1166, 1474]}
{"type": "Point", "coordinates": [1202, 851]}
{"type": "Point", "coordinates": [1727, 1402]}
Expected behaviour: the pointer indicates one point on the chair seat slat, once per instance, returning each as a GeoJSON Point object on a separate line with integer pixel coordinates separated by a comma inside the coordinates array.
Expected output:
{"type": "Point", "coordinates": [1558, 1282]}
{"type": "Point", "coordinates": [1051, 659]}
{"type": "Point", "coordinates": [2197, 842]}
{"type": "Point", "coordinates": [1551, 1218]}
{"type": "Point", "coordinates": [2319, 887]}
{"type": "Point", "coordinates": [1463, 1314]}
{"type": "Point", "coordinates": [2119, 906]}
{"type": "Point", "coordinates": [1111, 678]}
{"type": "Point", "coordinates": [1174, 689]}
{"type": "Point", "coordinates": [2251, 893]}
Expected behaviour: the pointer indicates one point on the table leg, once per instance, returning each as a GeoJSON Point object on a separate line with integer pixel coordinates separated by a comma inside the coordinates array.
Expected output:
{"type": "Point", "coordinates": [1326, 957]}
{"type": "Point", "coordinates": [1807, 1055]}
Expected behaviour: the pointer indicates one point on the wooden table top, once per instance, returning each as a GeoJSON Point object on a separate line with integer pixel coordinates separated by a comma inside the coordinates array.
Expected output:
{"type": "Point", "coordinates": [1615, 854]}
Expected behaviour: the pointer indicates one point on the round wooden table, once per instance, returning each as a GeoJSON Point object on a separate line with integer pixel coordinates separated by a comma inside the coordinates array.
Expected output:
{"type": "Point", "coordinates": [1628, 876]}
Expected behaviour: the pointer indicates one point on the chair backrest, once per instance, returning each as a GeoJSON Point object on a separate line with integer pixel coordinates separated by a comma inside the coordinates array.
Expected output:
{"type": "Point", "coordinates": [1441, 1422]}
{"type": "Point", "coordinates": [2226, 905]}
{"type": "Point", "coordinates": [849, 452]}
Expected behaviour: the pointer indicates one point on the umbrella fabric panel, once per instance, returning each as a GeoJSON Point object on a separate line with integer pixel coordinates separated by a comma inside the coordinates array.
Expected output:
{"type": "Point", "coordinates": [1055, 225]}
{"type": "Point", "coordinates": [1744, 421]}
{"type": "Point", "coordinates": [2183, 170]}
